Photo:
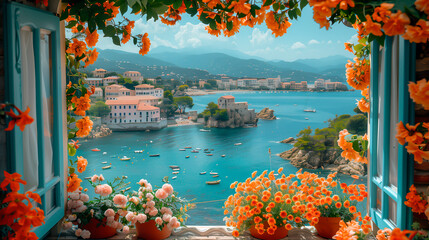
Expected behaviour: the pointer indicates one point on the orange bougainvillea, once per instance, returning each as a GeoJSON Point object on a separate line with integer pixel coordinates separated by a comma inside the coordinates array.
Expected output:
{"type": "Point", "coordinates": [81, 164]}
{"type": "Point", "coordinates": [91, 38]}
{"type": "Point", "coordinates": [348, 152]}
{"type": "Point", "coordinates": [81, 104]}
{"type": "Point", "coordinates": [358, 73]}
{"type": "Point", "coordinates": [73, 182]}
{"type": "Point", "coordinates": [419, 92]}
{"type": "Point", "coordinates": [84, 125]}
{"type": "Point", "coordinates": [416, 201]}
{"type": "Point", "coordinates": [77, 48]}
{"type": "Point", "coordinates": [21, 120]}
{"type": "Point", "coordinates": [396, 23]}
{"type": "Point", "coordinates": [17, 210]}
{"type": "Point", "coordinates": [418, 33]}
{"type": "Point", "coordinates": [145, 45]}
{"type": "Point", "coordinates": [417, 138]}
{"type": "Point", "coordinates": [278, 27]}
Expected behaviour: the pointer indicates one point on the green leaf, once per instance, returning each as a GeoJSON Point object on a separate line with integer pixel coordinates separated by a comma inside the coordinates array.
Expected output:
{"type": "Point", "coordinates": [276, 7]}
{"type": "Point", "coordinates": [131, 2]}
{"type": "Point", "coordinates": [71, 170]}
{"type": "Point", "coordinates": [135, 40]}
{"type": "Point", "coordinates": [252, 11]}
{"type": "Point", "coordinates": [143, 3]}
{"type": "Point", "coordinates": [356, 146]}
{"type": "Point", "coordinates": [116, 40]}
{"type": "Point", "coordinates": [71, 135]}
{"type": "Point", "coordinates": [92, 25]}
{"type": "Point", "coordinates": [71, 24]}
{"type": "Point", "coordinates": [358, 47]}
{"type": "Point", "coordinates": [298, 12]}
{"type": "Point", "coordinates": [79, 28]}
{"type": "Point", "coordinates": [268, 3]}
{"type": "Point", "coordinates": [84, 15]}
{"type": "Point", "coordinates": [123, 7]}
{"type": "Point", "coordinates": [229, 26]}
{"type": "Point", "coordinates": [109, 31]}
{"type": "Point", "coordinates": [71, 150]}
{"type": "Point", "coordinates": [303, 3]}
{"type": "Point", "coordinates": [192, 11]}
{"type": "Point", "coordinates": [177, 4]}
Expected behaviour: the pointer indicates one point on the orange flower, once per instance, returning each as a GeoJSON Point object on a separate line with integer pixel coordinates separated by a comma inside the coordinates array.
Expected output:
{"type": "Point", "coordinates": [235, 233]}
{"type": "Point", "coordinates": [358, 74]}
{"type": "Point", "coordinates": [415, 201]}
{"type": "Point", "coordinates": [73, 182]}
{"type": "Point", "coordinates": [352, 209]}
{"type": "Point", "coordinates": [278, 27]}
{"type": "Point", "coordinates": [419, 92]}
{"type": "Point", "coordinates": [408, 133]}
{"type": "Point", "coordinates": [21, 120]}
{"type": "Point", "coordinates": [363, 105]}
{"type": "Point", "coordinates": [283, 214]}
{"type": "Point", "coordinates": [145, 45]}
{"type": "Point", "coordinates": [372, 27]}
{"type": "Point", "coordinates": [422, 6]}
{"type": "Point", "coordinates": [396, 24]}
{"type": "Point", "coordinates": [13, 180]}
{"type": "Point", "coordinates": [338, 205]}
{"type": "Point", "coordinates": [77, 48]}
{"type": "Point", "coordinates": [382, 12]}
{"type": "Point", "coordinates": [418, 33]}
{"type": "Point", "coordinates": [257, 219]}
{"type": "Point", "coordinates": [417, 151]}
{"type": "Point", "coordinates": [92, 56]}
{"type": "Point", "coordinates": [355, 176]}
{"type": "Point", "coordinates": [347, 204]}
{"type": "Point", "coordinates": [397, 234]}
{"type": "Point", "coordinates": [81, 164]}
{"type": "Point", "coordinates": [348, 47]}
{"type": "Point", "coordinates": [81, 104]}
{"type": "Point", "coordinates": [240, 6]}
{"type": "Point", "coordinates": [91, 38]}
{"type": "Point", "coordinates": [84, 125]}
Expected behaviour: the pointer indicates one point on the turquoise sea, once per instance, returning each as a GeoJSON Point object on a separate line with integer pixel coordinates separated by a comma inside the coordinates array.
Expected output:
{"type": "Point", "coordinates": [240, 161]}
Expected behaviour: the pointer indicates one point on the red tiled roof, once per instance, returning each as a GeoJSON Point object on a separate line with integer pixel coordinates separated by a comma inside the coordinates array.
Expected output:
{"type": "Point", "coordinates": [99, 69]}
{"type": "Point", "coordinates": [145, 107]}
{"type": "Point", "coordinates": [131, 72]}
{"type": "Point", "coordinates": [140, 97]}
{"type": "Point", "coordinates": [144, 86]}
{"type": "Point", "coordinates": [123, 102]}
{"type": "Point", "coordinates": [228, 97]}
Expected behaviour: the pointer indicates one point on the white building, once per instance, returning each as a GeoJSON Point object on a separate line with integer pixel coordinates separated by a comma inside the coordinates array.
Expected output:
{"type": "Point", "coordinates": [319, 83]}
{"type": "Point", "coordinates": [110, 80]}
{"type": "Point", "coordinates": [98, 92]}
{"type": "Point", "coordinates": [134, 76]}
{"type": "Point", "coordinates": [113, 91]}
{"type": "Point", "coordinates": [146, 89]}
{"type": "Point", "coordinates": [99, 73]}
{"type": "Point", "coordinates": [96, 82]}
{"type": "Point", "coordinates": [131, 111]}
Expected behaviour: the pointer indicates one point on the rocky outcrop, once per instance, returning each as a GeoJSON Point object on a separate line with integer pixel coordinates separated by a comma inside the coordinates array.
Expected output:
{"type": "Point", "coordinates": [99, 131]}
{"type": "Point", "coordinates": [178, 93]}
{"type": "Point", "coordinates": [235, 120]}
{"type": "Point", "coordinates": [267, 114]}
{"type": "Point", "coordinates": [330, 160]}
{"type": "Point", "coordinates": [290, 140]}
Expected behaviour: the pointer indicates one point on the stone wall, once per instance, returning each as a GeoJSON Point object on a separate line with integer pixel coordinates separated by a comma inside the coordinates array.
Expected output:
{"type": "Point", "coordinates": [137, 126]}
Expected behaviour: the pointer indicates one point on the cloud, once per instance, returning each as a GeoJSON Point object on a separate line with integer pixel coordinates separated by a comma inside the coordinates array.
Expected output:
{"type": "Point", "coordinates": [192, 35]}
{"type": "Point", "coordinates": [313, 41]}
{"type": "Point", "coordinates": [353, 39]}
{"type": "Point", "coordinates": [259, 37]}
{"type": "Point", "coordinates": [297, 45]}
{"type": "Point", "coordinates": [329, 42]}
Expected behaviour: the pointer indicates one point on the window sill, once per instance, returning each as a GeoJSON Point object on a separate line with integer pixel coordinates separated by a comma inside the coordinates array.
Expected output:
{"type": "Point", "coordinates": [202, 233]}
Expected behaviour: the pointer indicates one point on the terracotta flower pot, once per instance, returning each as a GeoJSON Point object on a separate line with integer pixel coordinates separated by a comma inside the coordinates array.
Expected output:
{"type": "Point", "coordinates": [328, 226]}
{"type": "Point", "coordinates": [99, 229]}
{"type": "Point", "coordinates": [149, 231]}
{"type": "Point", "coordinates": [281, 232]}
{"type": "Point", "coordinates": [423, 166]}
{"type": "Point", "coordinates": [421, 177]}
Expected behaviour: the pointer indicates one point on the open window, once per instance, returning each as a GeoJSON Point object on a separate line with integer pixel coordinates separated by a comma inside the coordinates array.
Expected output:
{"type": "Point", "coordinates": [33, 79]}
{"type": "Point", "coordinates": [392, 67]}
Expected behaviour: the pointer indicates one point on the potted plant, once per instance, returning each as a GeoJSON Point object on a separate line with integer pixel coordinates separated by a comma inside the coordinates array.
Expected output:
{"type": "Point", "coordinates": [269, 206]}
{"type": "Point", "coordinates": [335, 201]}
{"type": "Point", "coordinates": [98, 218]}
{"type": "Point", "coordinates": [155, 211]}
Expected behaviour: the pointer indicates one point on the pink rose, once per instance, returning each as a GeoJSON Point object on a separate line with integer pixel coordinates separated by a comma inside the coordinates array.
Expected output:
{"type": "Point", "coordinates": [119, 226]}
{"type": "Point", "coordinates": [176, 225]}
{"type": "Point", "coordinates": [135, 200]}
{"type": "Point", "coordinates": [103, 190]}
{"type": "Point", "coordinates": [150, 204]}
{"type": "Point", "coordinates": [67, 225]}
{"type": "Point", "coordinates": [126, 229]}
{"type": "Point", "coordinates": [122, 213]}
{"type": "Point", "coordinates": [109, 213]}
{"type": "Point", "coordinates": [161, 194]}
{"type": "Point", "coordinates": [110, 219]}
{"type": "Point", "coordinates": [84, 197]}
{"type": "Point", "coordinates": [81, 209]}
{"type": "Point", "coordinates": [78, 232]}
{"type": "Point", "coordinates": [94, 178]}
{"type": "Point", "coordinates": [74, 196]}
{"type": "Point", "coordinates": [167, 188]}
{"type": "Point", "coordinates": [149, 195]}
{"type": "Point", "coordinates": [143, 182]}
{"type": "Point", "coordinates": [85, 234]}
{"type": "Point", "coordinates": [153, 212]}
{"type": "Point", "coordinates": [165, 210]}
{"type": "Point", "coordinates": [131, 217]}
{"type": "Point", "coordinates": [166, 217]}
{"type": "Point", "coordinates": [141, 218]}
{"type": "Point", "coordinates": [72, 217]}
{"type": "Point", "coordinates": [158, 220]}
{"type": "Point", "coordinates": [120, 200]}
{"type": "Point", "coordinates": [173, 221]}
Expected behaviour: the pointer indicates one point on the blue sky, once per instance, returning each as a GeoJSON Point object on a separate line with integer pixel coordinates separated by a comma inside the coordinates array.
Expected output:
{"type": "Point", "coordinates": [304, 38]}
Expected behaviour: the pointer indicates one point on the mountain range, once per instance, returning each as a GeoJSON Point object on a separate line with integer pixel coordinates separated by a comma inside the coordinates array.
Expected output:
{"type": "Point", "coordinates": [194, 64]}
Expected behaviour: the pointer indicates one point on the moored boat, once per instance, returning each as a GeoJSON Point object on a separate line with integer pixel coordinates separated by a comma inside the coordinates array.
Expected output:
{"type": "Point", "coordinates": [182, 149]}
{"type": "Point", "coordinates": [154, 155]}
{"type": "Point", "coordinates": [237, 144]}
{"type": "Point", "coordinates": [194, 151]}
{"type": "Point", "coordinates": [198, 149]}
{"type": "Point", "coordinates": [310, 110]}
{"type": "Point", "coordinates": [214, 173]}
{"type": "Point", "coordinates": [95, 150]}
{"type": "Point", "coordinates": [213, 182]}
{"type": "Point", "coordinates": [187, 157]}
{"type": "Point", "coordinates": [103, 162]}
{"type": "Point", "coordinates": [215, 176]}
{"type": "Point", "coordinates": [124, 158]}
{"type": "Point", "coordinates": [175, 172]}
{"type": "Point", "coordinates": [174, 177]}
{"type": "Point", "coordinates": [205, 130]}
{"type": "Point", "coordinates": [211, 154]}
{"type": "Point", "coordinates": [138, 151]}
{"type": "Point", "coordinates": [202, 173]}
{"type": "Point", "coordinates": [106, 167]}
{"type": "Point", "coordinates": [187, 147]}
{"type": "Point", "coordinates": [223, 155]}
{"type": "Point", "coordinates": [104, 153]}
{"type": "Point", "coordinates": [174, 166]}
{"type": "Point", "coordinates": [176, 169]}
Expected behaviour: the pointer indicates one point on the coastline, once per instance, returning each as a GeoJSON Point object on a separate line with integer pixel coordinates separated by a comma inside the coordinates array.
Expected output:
{"type": "Point", "coordinates": [201, 92]}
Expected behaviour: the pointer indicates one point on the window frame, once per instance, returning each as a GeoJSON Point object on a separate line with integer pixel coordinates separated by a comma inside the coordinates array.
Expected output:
{"type": "Point", "coordinates": [17, 16]}
{"type": "Point", "coordinates": [406, 73]}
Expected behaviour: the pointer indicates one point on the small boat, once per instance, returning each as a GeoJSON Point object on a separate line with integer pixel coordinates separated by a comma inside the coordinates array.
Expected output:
{"type": "Point", "coordinates": [215, 176]}
{"type": "Point", "coordinates": [223, 155]}
{"type": "Point", "coordinates": [138, 151]}
{"type": "Point", "coordinates": [198, 149]}
{"type": "Point", "coordinates": [188, 147]}
{"type": "Point", "coordinates": [202, 173]}
{"type": "Point", "coordinates": [106, 167]}
{"type": "Point", "coordinates": [88, 178]}
{"type": "Point", "coordinates": [212, 149]}
{"type": "Point", "coordinates": [211, 154]}
{"type": "Point", "coordinates": [214, 173]}
{"type": "Point", "coordinates": [176, 169]}
{"type": "Point", "coordinates": [204, 130]}
{"type": "Point", "coordinates": [182, 149]}
{"type": "Point", "coordinates": [194, 151]}
{"type": "Point", "coordinates": [175, 172]}
{"type": "Point", "coordinates": [124, 158]}
{"type": "Point", "coordinates": [103, 162]}
{"type": "Point", "coordinates": [237, 144]}
{"type": "Point", "coordinates": [306, 118]}
{"type": "Point", "coordinates": [213, 182]}
{"type": "Point", "coordinates": [174, 177]}
{"type": "Point", "coordinates": [104, 153]}
{"type": "Point", "coordinates": [95, 150]}
{"type": "Point", "coordinates": [154, 155]}
{"type": "Point", "coordinates": [174, 166]}
{"type": "Point", "coordinates": [310, 110]}
{"type": "Point", "coordinates": [187, 157]}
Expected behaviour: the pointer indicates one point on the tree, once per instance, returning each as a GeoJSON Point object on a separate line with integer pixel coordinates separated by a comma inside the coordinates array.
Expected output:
{"type": "Point", "coordinates": [357, 124]}
{"type": "Point", "coordinates": [168, 107]}
{"type": "Point", "coordinates": [168, 95]}
{"type": "Point", "coordinates": [183, 87]}
{"type": "Point", "coordinates": [221, 115]}
{"type": "Point", "coordinates": [110, 74]}
{"type": "Point", "coordinates": [304, 140]}
{"type": "Point", "coordinates": [183, 103]}
{"type": "Point", "coordinates": [208, 86]}
{"type": "Point", "coordinates": [212, 108]}
{"type": "Point", "coordinates": [212, 82]}
{"type": "Point", "coordinates": [99, 109]}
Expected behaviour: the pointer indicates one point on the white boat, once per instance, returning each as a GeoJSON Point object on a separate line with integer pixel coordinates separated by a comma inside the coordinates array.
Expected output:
{"type": "Point", "coordinates": [310, 110]}
{"type": "Point", "coordinates": [213, 182]}
{"type": "Point", "coordinates": [175, 172]}
{"type": "Point", "coordinates": [106, 167]}
{"type": "Point", "coordinates": [174, 177]}
{"type": "Point", "coordinates": [306, 118]}
{"type": "Point", "coordinates": [103, 162]}
{"type": "Point", "coordinates": [205, 130]}
{"type": "Point", "coordinates": [223, 155]}
{"type": "Point", "coordinates": [194, 151]}
{"type": "Point", "coordinates": [88, 178]}
{"type": "Point", "coordinates": [198, 149]}
{"type": "Point", "coordinates": [173, 166]}
{"type": "Point", "coordinates": [215, 176]}
{"type": "Point", "coordinates": [138, 151]}
{"type": "Point", "coordinates": [124, 158]}
{"type": "Point", "coordinates": [104, 153]}
{"type": "Point", "coordinates": [237, 144]}
{"type": "Point", "coordinates": [214, 173]}
{"type": "Point", "coordinates": [188, 147]}
{"type": "Point", "coordinates": [182, 149]}
{"type": "Point", "coordinates": [176, 169]}
{"type": "Point", "coordinates": [202, 173]}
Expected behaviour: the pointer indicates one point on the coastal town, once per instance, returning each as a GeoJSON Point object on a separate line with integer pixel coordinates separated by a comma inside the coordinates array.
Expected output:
{"type": "Point", "coordinates": [133, 103]}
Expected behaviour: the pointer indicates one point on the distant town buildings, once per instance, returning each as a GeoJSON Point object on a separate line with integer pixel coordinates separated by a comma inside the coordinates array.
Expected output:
{"type": "Point", "coordinates": [134, 76]}
{"type": "Point", "coordinates": [98, 92]}
{"type": "Point", "coordinates": [228, 102]}
{"type": "Point", "coordinates": [96, 82]}
{"type": "Point", "coordinates": [99, 73]}
{"type": "Point", "coordinates": [146, 89]}
{"type": "Point", "coordinates": [110, 80]}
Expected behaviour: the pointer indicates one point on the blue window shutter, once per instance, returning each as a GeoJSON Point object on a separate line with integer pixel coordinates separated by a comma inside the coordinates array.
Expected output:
{"type": "Point", "coordinates": [18, 16]}
{"type": "Point", "coordinates": [395, 62]}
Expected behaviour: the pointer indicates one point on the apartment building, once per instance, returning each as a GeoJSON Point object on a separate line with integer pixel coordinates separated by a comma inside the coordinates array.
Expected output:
{"type": "Point", "coordinates": [146, 89]}
{"type": "Point", "coordinates": [134, 76]}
